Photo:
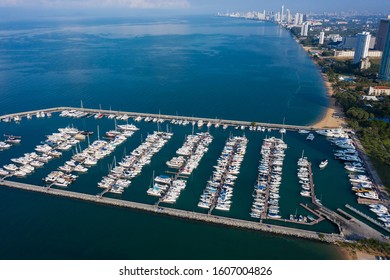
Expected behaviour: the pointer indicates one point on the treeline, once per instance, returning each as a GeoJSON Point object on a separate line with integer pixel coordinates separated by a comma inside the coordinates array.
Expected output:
{"type": "Point", "coordinates": [374, 133]}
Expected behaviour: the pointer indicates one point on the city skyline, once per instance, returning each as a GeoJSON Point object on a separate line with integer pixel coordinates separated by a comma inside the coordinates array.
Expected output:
{"type": "Point", "coordinates": [204, 6]}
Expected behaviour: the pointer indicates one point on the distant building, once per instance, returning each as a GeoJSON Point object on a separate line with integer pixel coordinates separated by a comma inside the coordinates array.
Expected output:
{"type": "Point", "coordinates": [296, 19]}
{"type": "Point", "coordinates": [384, 69]}
{"type": "Point", "coordinates": [379, 90]}
{"type": "Point", "coordinates": [300, 18]}
{"type": "Point", "coordinates": [335, 37]}
{"type": "Point", "coordinates": [282, 14]}
{"type": "Point", "coordinates": [362, 46]}
{"type": "Point", "coordinates": [322, 37]}
{"type": "Point", "coordinates": [365, 63]}
{"type": "Point", "coordinates": [370, 98]}
{"type": "Point", "coordinates": [288, 17]}
{"type": "Point", "coordinates": [352, 54]}
{"type": "Point", "coordinates": [350, 42]}
{"type": "Point", "coordinates": [382, 34]}
{"type": "Point", "coordinates": [305, 29]}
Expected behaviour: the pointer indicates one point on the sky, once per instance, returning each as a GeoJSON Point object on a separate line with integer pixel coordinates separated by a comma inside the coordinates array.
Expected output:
{"type": "Point", "coordinates": [206, 6]}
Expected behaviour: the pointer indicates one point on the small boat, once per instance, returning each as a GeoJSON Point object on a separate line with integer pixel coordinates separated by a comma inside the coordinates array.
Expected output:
{"type": "Point", "coordinates": [323, 163]}
{"type": "Point", "coordinates": [303, 131]}
{"type": "Point", "coordinates": [11, 139]}
{"type": "Point", "coordinates": [310, 137]}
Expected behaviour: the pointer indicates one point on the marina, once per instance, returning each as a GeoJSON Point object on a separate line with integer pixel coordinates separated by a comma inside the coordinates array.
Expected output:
{"type": "Point", "coordinates": [122, 71]}
{"type": "Point", "coordinates": [216, 198]}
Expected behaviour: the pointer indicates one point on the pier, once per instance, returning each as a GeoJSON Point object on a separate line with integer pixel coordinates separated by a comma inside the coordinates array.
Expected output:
{"type": "Point", "coordinates": [165, 117]}
{"type": "Point", "coordinates": [330, 238]}
{"type": "Point", "coordinates": [349, 229]}
{"type": "Point", "coordinates": [311, 182]}
{"type": "Point", "coordinates": [267, 191]}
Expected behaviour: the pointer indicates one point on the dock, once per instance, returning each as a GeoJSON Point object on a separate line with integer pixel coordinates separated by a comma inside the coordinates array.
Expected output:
{"type": "Point", "coordinates": [164, 117]}
{"type": "Point", "coordinates": [349, 229]}
{"type": "Point", "coordinates": [267, 191]}
{"type": "Point", "coordinates": [194, 216]}
{"type": "Point", "coordinates": [311, 182]}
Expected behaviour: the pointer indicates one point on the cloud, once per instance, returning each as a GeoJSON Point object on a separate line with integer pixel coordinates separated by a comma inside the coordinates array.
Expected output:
{"type": "Point", "coordinates": [134, 4]}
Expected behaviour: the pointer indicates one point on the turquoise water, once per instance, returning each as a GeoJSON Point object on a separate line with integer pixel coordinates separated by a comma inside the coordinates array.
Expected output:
{"type": "Point", "coordinates": [201, 66]}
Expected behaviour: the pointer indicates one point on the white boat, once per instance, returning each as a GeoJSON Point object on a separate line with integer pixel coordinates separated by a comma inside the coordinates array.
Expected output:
{"type": "Point", "coordinates": [3, 172]}
{"type": "Point", "coordinates": [163, 179]}
{"type": "Point", "coordinates": [302, 131]}
{"type": "Point", "coordinates": [323, 163]}
{"type": "Point", "coordinates": [310, 137]}
{"type": "Point", "coordinates": [305, 193]}
{"type": "Point", "coordinates": [4, 146]}
{"type": "Point", "coordinates": [369, 195]}
{"type": "Point", "coordinates": [10, 167]}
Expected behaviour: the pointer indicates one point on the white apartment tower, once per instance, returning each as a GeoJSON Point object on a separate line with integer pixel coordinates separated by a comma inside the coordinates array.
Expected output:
{"type": "Point", "coordinates": [305, 29]}
{"type": "Point", "coordinates": [300, 19]}
{"type": "Point", "coordinates": [362, 46]}
{"type": "Point", "coordinates": [322, 37]}
{"type": "Point", "coordinates": [296, 19]}
{"type": "Point", "coordinates": [289, 17]}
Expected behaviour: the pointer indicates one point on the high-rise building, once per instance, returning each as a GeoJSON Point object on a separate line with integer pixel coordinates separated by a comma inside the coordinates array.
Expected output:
{"type": "Point", "coordinates": [322, 37]}
{"type": "Point", "coordinates": [384, 69]}
{"type": "Point", "coordinates": [277, 17]}
{"type": "Point", "coordinates": [305, 29]}
{"type": "Point", "coordinates": [282, 14]}
{"type": "Point", "coordinates": [382, 34]}
{"type": "Point", "coordinates": [362, 46]}
{"type": "Point", "coordinates": [300, 19]}
{"type": "Point", "coordinates": [296, 19]}
{"type": "Point", "coordinates": [288, 17]}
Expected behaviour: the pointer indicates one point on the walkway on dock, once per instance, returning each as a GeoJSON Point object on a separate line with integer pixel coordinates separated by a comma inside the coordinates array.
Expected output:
{"type": "Point", "coordinates": [165, 117]}
{"type": "Point", "coordinates": [331, 238]}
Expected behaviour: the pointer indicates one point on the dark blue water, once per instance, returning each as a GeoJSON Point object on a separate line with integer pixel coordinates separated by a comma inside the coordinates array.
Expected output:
{"type": "Point", "coordinates": [201, 66]}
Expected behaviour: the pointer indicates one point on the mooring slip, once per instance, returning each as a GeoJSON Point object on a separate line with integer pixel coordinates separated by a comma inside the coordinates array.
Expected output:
{"type": "Point", "coordinates": [100, 113]}
{"type": "Point", "coordinates": [331, 238]}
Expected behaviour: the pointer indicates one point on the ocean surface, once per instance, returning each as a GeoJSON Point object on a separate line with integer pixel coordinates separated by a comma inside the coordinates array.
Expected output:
{"type": "Point", "coordinates": [194, 66]}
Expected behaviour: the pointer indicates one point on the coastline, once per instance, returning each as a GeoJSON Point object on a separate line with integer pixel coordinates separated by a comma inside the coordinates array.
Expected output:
{"type": "Point", "coordinates": [334, 116]}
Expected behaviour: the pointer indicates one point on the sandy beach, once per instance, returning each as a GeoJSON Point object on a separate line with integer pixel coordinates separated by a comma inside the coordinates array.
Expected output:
{"type": "Point", "coordinates": [350, 254]}
{"type": "Point", "coordinates": [334, 116]}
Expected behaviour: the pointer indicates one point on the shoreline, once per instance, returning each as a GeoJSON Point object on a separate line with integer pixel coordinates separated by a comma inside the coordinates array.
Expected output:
{"type": "Point", "coordinates": [333, 116]}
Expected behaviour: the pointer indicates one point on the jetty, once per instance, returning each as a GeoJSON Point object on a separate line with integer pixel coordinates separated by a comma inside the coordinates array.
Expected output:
{"type": "Point", "coordinates": [161, 117]}
{"type": "Point", "coordinates": [223, 221]}
{"type": "Point", "coordinates": [349, 229]}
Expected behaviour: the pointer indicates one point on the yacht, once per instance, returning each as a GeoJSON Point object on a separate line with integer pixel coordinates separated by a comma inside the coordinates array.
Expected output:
{"type": "Point", "coordinates": [310, 137]}
{"type": "Point", "coordinates": [323, 163]}
{"type": "Point", "coordinates": [3, 172]}
{"type": "Point", "coordinates": [305, 193]}
{"type": "Point", "coordinates": [4, 146]}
